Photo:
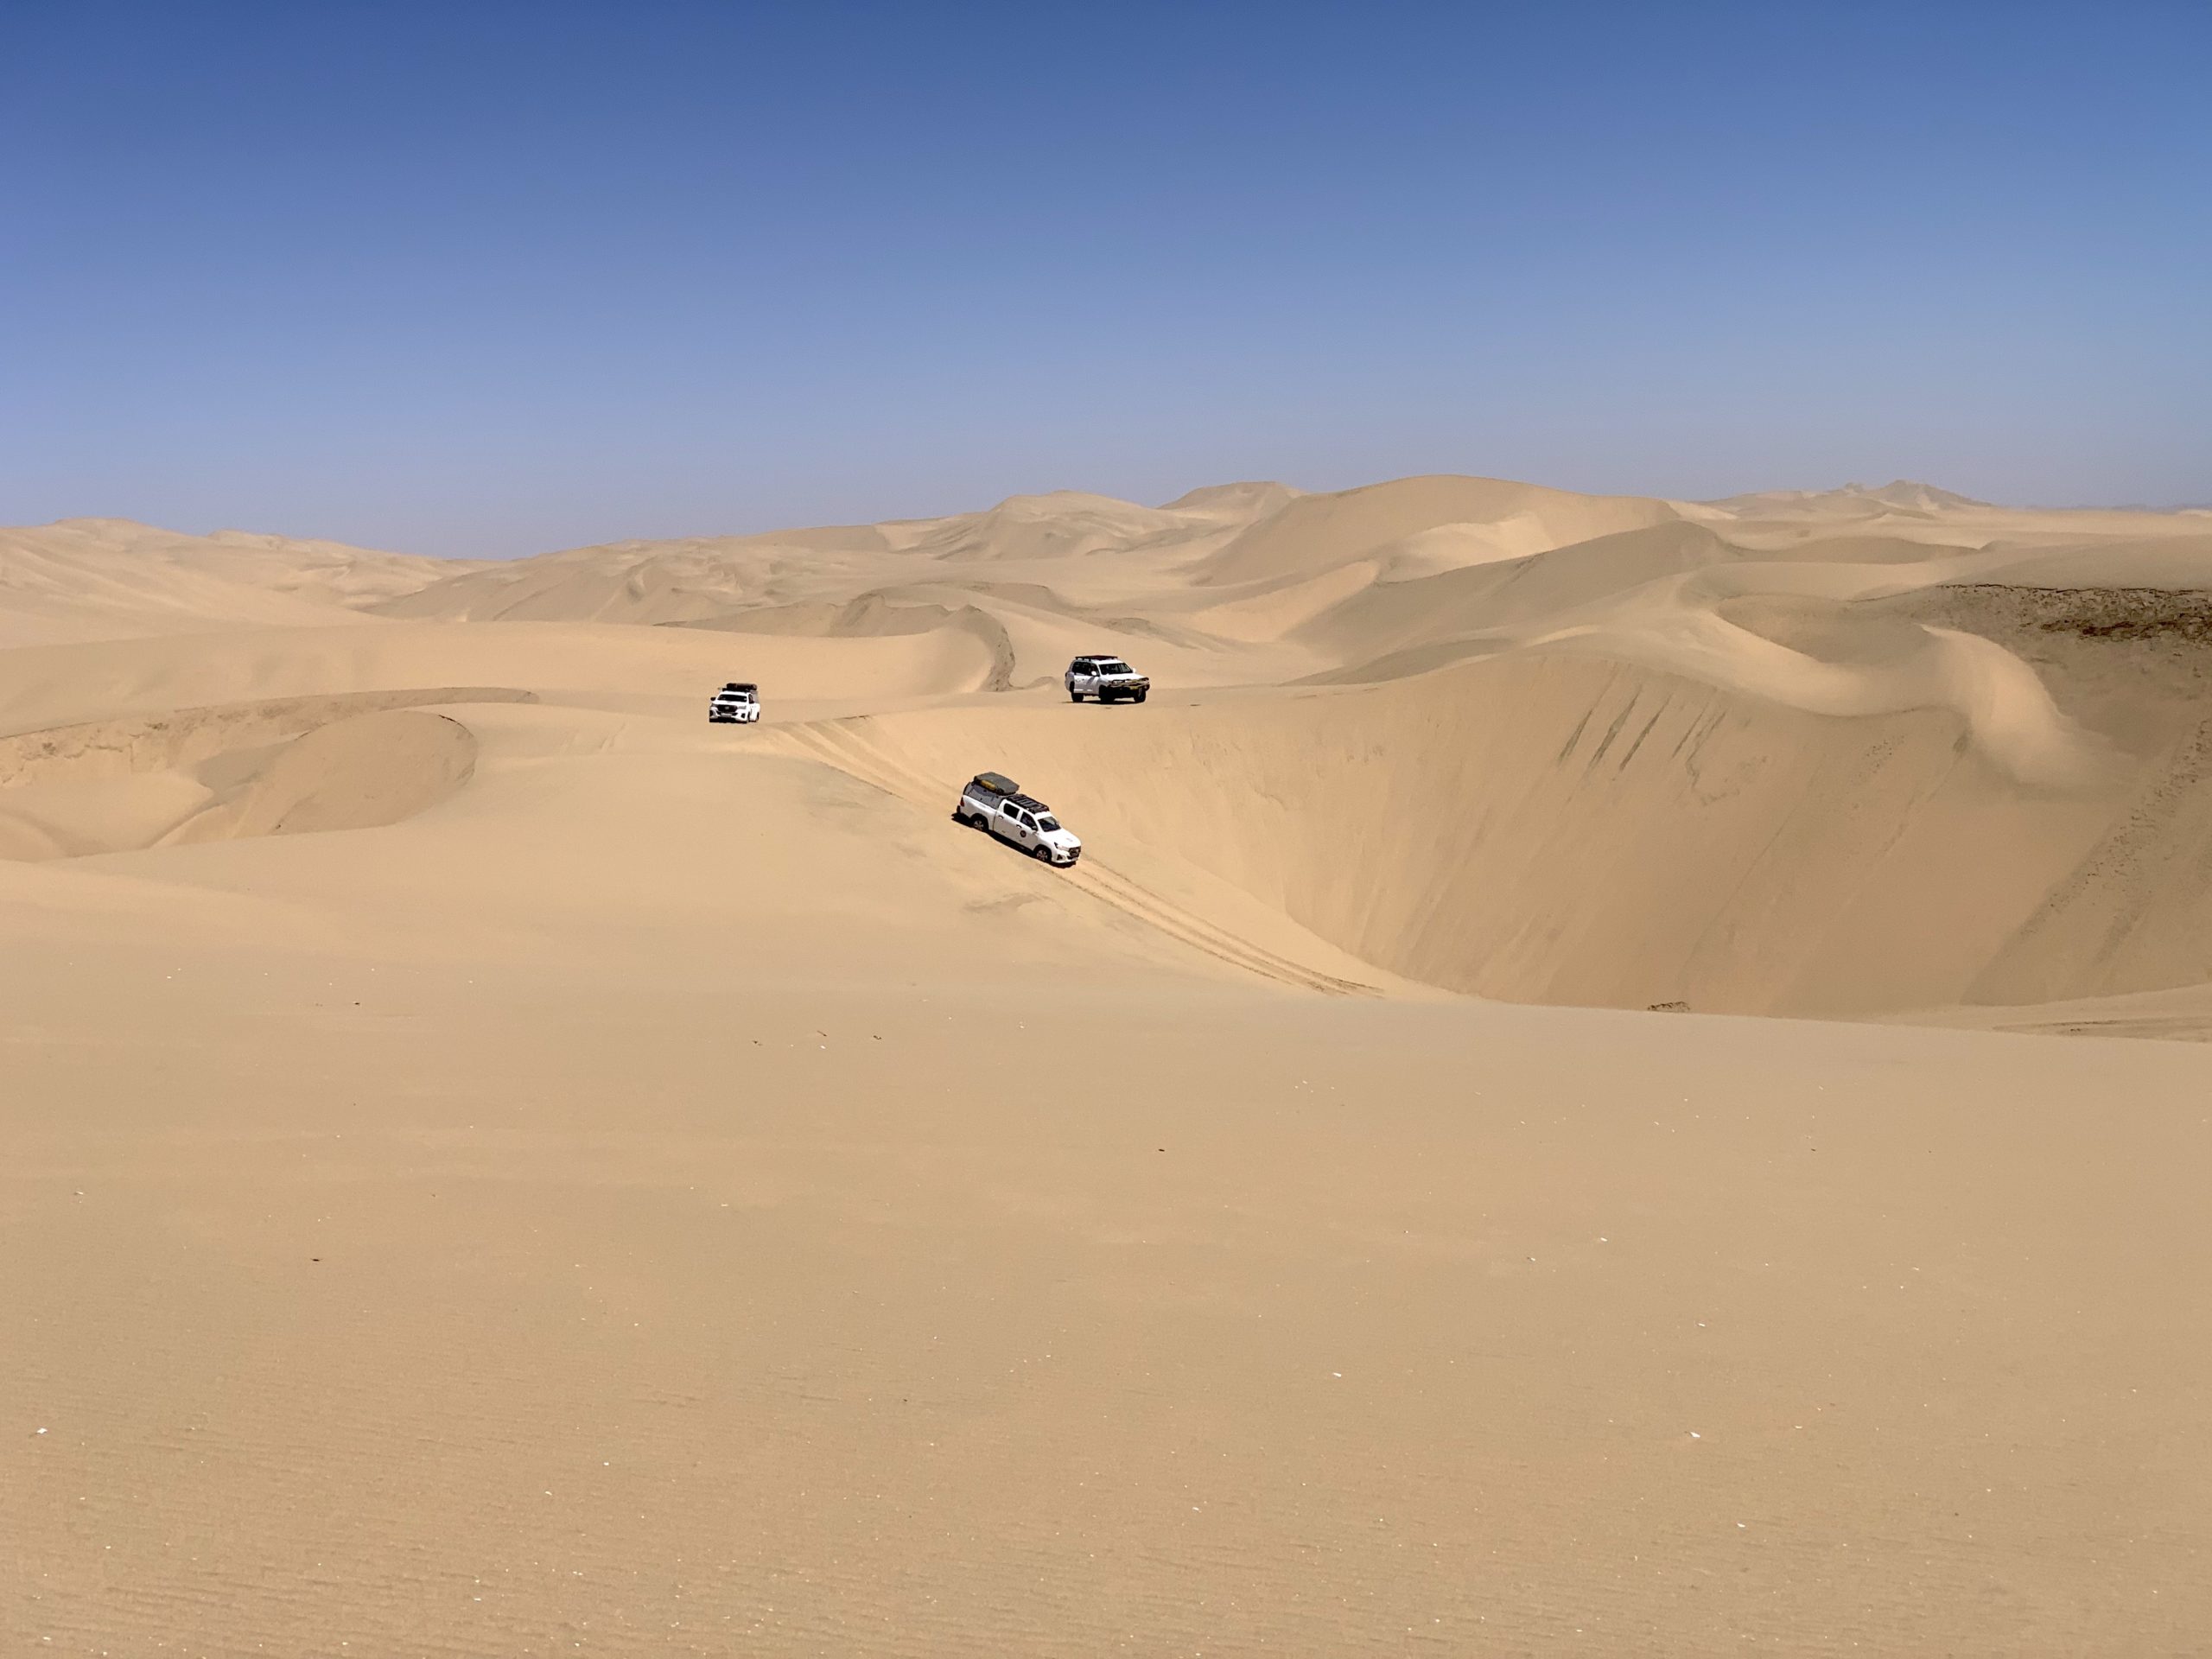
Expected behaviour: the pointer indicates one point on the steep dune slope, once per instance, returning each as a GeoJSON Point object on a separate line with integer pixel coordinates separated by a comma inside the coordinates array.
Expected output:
{"type": "Point", "coordinates": [1566, 825]}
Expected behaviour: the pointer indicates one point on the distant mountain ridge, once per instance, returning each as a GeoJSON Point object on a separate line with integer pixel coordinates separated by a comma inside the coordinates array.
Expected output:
{"type": "Point", "coordinates": [1909, 494]}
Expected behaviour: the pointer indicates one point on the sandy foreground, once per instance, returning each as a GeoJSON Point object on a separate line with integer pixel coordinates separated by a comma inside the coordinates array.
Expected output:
{"type": "Point", "coordinates": [496, 1166]}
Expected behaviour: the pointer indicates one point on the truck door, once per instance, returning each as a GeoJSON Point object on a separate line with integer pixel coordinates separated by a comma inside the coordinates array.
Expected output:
{"type": "Point", "coordinates": [1009, 823]}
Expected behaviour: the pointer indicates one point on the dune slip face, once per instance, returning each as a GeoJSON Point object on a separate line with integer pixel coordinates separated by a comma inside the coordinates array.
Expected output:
{"type": "Point", "coordinates": [497, 1163]}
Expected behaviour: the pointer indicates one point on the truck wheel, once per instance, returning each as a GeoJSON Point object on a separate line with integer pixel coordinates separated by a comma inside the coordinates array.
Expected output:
{"type": "Point", "coordinates": [1141, 696]}
{"type": "Point", "coordinates": [1074, 696]}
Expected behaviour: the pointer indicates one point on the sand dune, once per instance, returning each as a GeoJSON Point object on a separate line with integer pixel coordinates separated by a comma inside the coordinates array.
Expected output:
{"type": "Point", "coordinates": [1245, 501]}
{"type": "Point", "coordinates": [109, 579]}
{"type": "Point", "coordinates": [497, 1164]}
{"type": "Point", "coordinates": [1486, 518]}
{"type": "Point", "coordinates": [1557, 827]}
{"type": "Point", "coordinates": [1534, 692]}
{"type": "Point", "coordinates": [1063, 525]}
{"type": "Point", "coordinates": [290, 765]}
{"type": "Point", "coordinates": [355, 773]}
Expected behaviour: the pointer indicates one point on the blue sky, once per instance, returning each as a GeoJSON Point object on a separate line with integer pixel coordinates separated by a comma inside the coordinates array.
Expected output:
{"type": "Point", "coordinates": [494, 278]}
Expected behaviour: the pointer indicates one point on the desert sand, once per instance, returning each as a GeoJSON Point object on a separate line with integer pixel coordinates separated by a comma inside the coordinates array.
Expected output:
{"type": "Point", "coordinates": [1618, 1076]}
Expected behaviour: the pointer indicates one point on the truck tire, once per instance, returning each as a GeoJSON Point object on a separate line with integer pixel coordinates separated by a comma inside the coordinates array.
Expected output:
{"type": "Point", "coordinates": [1140, 695]}
{"type": "Point", "coordinates": [1074, 696]}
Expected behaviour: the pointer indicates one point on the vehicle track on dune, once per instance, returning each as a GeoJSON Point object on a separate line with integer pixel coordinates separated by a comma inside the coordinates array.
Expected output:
{"type": "Point", "coordinates": [842, 744]}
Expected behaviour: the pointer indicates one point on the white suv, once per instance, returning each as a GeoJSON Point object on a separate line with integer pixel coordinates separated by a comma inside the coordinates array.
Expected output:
{"type": "Point", "coordinates": [1106, 679]}
{"type": "Point", "coordinates": [738, 702]}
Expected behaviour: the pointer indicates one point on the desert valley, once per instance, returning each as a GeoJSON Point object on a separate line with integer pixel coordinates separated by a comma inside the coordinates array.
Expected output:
{"type": "Point", "coordinates": [1617, 1075]}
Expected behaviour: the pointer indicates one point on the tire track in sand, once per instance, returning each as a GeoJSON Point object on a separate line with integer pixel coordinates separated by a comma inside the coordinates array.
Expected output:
{"type": "Point", "coordinates": [842, 744]}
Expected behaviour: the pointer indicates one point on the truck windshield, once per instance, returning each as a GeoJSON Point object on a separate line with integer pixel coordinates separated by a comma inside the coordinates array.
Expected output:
{"type": "Point", "coordinates": [1116, 668]}
{"type": "Point", "coordinates": [1048, 822]}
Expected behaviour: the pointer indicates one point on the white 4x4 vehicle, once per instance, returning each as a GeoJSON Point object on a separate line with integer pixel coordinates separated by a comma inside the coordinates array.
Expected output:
{"type": "Point", "coordinates": [996, 802]}
{"type": "Point", "coordinates": [1106, 679]}
{"type": "Point", "coordinates": [738, 701]}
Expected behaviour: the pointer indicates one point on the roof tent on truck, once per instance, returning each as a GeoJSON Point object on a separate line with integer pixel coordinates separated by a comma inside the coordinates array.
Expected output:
{"type": "Point", "coordinates": [997, 782]}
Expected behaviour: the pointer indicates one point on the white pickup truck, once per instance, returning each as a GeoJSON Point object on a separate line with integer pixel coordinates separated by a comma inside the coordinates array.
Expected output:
{"type": "Point", "coordinates": [1106, 679]}
{"type": "Point", "coordinates": [739, 702]}
{"type": "Point", "coordinates": [994, 802]}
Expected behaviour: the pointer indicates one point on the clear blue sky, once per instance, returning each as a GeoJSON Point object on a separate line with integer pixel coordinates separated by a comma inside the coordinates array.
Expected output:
{"type": "Point", "coordinates": [494, 278]}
